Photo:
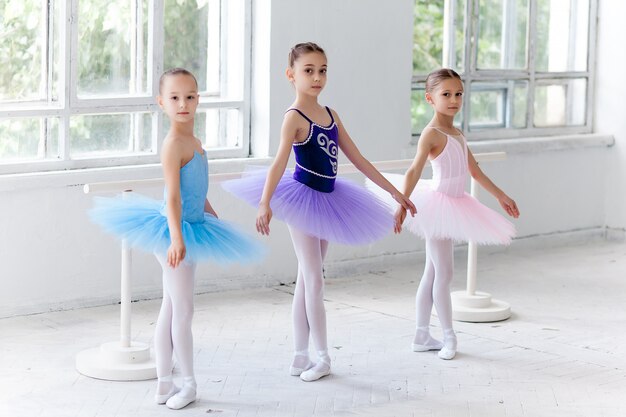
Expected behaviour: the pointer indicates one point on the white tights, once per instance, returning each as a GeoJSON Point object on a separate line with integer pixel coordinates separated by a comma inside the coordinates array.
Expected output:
{"type": "Point", "coordinates": [434, 288]}
{"type": "Point", "coordinates": [309, 314]}
{"type": "Point", "coordinates": [173, 327]}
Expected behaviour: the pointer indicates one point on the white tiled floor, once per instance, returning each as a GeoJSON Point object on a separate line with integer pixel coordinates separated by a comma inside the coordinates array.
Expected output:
{"type": "Point", "coordinates": [561, 354]}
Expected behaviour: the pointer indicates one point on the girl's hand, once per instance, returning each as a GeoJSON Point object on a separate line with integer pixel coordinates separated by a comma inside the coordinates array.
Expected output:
{"type": "Point", "coordinates": [399, 219]}
{"type": "Point", "coordinates": [509, 206]}
{"type": "Point", "coordinates": [176, 253]}
{"type": "Point", "coordinates": [404, 202]}
{"type": "Point", "coordinates": [264, 215]}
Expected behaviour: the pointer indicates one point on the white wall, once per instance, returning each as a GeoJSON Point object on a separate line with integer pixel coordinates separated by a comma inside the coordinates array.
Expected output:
{"type": "Point", "coordinates": [52, 257]}
{"type": "Point", "coordinates": [610, 93]}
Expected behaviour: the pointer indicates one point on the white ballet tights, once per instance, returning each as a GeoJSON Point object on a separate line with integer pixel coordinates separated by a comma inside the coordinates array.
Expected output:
{"type": "Point", "coordinates": [309, 314]}
{"type": "Point", "coordinates": [173, 327]}
{"type": "Point", "coordinates": [434, 288]}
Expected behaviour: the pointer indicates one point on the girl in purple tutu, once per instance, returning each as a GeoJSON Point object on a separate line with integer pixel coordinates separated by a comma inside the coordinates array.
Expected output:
{"type": "Point", "coordinates": [445, 212]}
{"type": "Point", "coordinates": [317, 206]}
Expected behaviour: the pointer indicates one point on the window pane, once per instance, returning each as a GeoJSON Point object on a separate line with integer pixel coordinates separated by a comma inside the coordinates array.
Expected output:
{"type": "Point", "coordinates": [561, 103]}
{"type": "Point", "coordinates": [498, 104]}
{"type": "Point", "coordinates": [29, 138]}
{"type": "Point", "coordinates": [562, 31]}
{"type": "Point", "coordinates": [109, 42]}
{"type": "Point", "coordinates": [519, 104]}
{"type": "Point", "coordinates": [22, 57]}
{"type": "Point", "coordinates": [110, 134]}
{"type": "Point", "coordinates": [427, 36]}
{"type": "Point", "coordinates": [421, 111]}
{"type": "Point", "coordinates": [435, 34]}
{"type": "Point", "coordinates": [194, 45]}
{"type": "Point", "coordinates": [502, 34]}
{"type": "Point", "coordinates": [487, 105]}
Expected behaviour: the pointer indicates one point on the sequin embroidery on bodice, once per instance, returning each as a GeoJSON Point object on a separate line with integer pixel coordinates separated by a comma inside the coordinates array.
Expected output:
{"type": "Point", "coordinates": [316, 157]}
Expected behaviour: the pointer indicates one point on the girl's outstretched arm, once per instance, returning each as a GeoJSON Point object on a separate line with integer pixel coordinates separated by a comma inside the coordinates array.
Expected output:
{"type": "Point", "coordinates": [171, 160]}
{"type": "Point", "coordinates": [507, 203]}
{"type": "Point", "coordinates": [287, 134]}
{"type": "Point", "coordinates": [413, 174]}
{"type": "Point", "coordinates": [354, 155]}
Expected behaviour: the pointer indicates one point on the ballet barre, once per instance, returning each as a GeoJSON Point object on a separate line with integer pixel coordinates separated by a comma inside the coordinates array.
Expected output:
{"type": "Point", "coordinates": [132, 361]}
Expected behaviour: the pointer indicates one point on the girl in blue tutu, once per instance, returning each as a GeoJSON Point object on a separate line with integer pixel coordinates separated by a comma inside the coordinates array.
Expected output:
{"type": "Point", "coordinates": [317, 206]}
{"type": "Point", "coordinates": [180, 230]}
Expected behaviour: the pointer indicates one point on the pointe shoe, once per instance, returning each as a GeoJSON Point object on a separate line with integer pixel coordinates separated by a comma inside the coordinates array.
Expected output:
{"type": "Point", "coordinates": [424, 342]}
{"type": "Point", "coordinates": [162, 398]}
{"type": "Point", "coordinates": [448, 351]}
{"type": "Point", "coordinates": [320, 370]}
{"type": "Point", "coordinates": [178, 401]}
{"type": "Point", "coordinates": [295, 371]}
{"type": "Point", "coordinates": [434, 345]}
{"type": "Point", "coordinates": [185, 396]}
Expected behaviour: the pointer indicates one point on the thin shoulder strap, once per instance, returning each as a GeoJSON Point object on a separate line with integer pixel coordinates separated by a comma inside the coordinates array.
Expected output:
{"type": "Point", "coordinates": [438, 130]}
{"type": "Point", "coordinates": [301, 114]}
{"type": "Point", "coordinates": [332, 119]}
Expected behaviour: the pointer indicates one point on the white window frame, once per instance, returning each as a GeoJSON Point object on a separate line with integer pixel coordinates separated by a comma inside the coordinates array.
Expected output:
{"type": "Point", "coordinates": [69, 104]}
{"type": "Point", "coordinates": [530, 75]}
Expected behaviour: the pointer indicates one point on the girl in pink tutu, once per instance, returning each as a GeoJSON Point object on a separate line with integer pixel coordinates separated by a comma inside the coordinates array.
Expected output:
{"type": "Point", "coordinates": [317, 206]}
{"type": "Point", "coordinates": [445, 212]}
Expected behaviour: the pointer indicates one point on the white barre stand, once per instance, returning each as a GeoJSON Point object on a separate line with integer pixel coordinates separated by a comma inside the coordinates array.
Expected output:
{"type": "Point", "coordinates": [124, 360]}
{"type": "Point", "coordinates": [471, 305]}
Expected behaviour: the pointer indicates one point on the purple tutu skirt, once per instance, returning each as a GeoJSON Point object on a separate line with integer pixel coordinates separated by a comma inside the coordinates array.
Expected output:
{"type": "Point", "coordinates": [349, 215]}
{"type": "Point", "coordinates": [440, 216]}
{"type": "Point", "coordinates": [141, 221]}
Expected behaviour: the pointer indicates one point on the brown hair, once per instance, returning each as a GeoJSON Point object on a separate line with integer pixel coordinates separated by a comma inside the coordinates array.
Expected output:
{"type": "Point", "coordinates": [436, 77]}
{"type": "Point", "coordinates": [175, 71]}
{"type": "Point", "coordinates": [301, 49]}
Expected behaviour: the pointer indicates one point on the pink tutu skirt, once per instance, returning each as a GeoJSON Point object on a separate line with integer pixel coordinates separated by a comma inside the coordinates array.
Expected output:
{"type": "Point", "coordinates": [349, 215]}
{"type": "Point", "coordinates": [440, 216]}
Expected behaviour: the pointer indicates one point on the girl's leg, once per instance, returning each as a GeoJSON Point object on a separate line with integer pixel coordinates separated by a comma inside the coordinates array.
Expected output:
{"type": "Point", "coordinates": [310, 262]}
{"type": "Point", "coordinates": [301, 361]}
{"type": "Point", "coordinates": [443, 260]}
{"type": "Point", "coordinates": [423, 341]}
{"type": "Point", "coordinates": [163, 350]}
{"type": "Point", "coordinates": [178, 283]}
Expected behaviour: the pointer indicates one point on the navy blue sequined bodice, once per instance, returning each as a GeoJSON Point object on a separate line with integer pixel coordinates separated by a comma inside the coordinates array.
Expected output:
{"type": "Point", "coordinates": [316, 157]}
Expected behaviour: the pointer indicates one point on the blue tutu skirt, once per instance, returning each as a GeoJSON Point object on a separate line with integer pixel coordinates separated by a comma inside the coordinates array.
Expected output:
{"type": "Point", "coordinates": [349, 215]}
{"type": "Point", "coordinates": [140, 220]}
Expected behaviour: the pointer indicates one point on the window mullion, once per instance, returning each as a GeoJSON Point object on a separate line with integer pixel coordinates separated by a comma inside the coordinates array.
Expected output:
{"type": "Point", "coordinates": [449, 41]}
{"type": "Point", "coordinates": [532, 45]}
{"type": "Point", "coordinates": [155, 63]}
{"type": "Point", "coordinates": [471, 41]}
{"type": "Point", "coordinates": [591, 59]}
{"type": "Point", "coordinates": [67, 51]}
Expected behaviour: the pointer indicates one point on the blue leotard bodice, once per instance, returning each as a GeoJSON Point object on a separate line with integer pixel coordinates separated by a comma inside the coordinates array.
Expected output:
{"type": "Point", "coordinates": [194, 185]}
{"type": "Point", "coordinates": [316, 157]}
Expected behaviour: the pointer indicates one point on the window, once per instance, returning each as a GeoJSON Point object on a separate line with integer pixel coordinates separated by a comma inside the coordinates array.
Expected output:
{"type": "Point", "coordinates": [79, 79]}
{"type": "Point", "coordinates": [527, 65]}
